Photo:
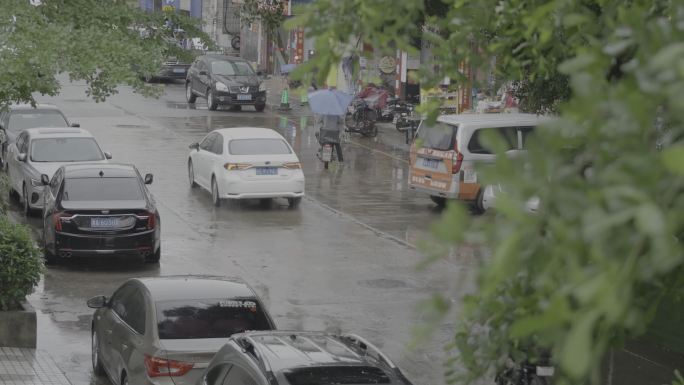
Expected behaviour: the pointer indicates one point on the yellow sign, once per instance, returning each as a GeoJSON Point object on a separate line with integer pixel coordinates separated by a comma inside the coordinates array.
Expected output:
{"type": "Point", "coordinates": [387, 64]}
{"type": "Point", "coordinates": [168, 8]}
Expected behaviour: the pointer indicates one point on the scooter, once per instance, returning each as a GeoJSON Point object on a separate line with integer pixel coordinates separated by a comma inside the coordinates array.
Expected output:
{"type": "Point", "coordinates": [326, 151]}
{"type": "Point", "coordinates": [361, 119]}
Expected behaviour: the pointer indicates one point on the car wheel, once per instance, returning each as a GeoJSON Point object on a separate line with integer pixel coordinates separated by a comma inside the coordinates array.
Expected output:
{"type": "Point", "coordinates": [25, 201]}
{"type": "Point", "coordinates": [154, 258]}
{"type": "Point", "coordinates": [439, 201]}
{"type": "Point", "coordinates": [477, 207]}
{"type": "Point", "coordinates": [189, 96]}
{"type": "Point", "coordinates": [212, 104]}
{"type": "Point", "coordinates": [191, 175]}
{"type": "Point", "coordinates": [215, 193]}
{"type": "Point", "coordinates": [98, 368]}
{"type": "Point", "coordinates": [259, 107]}
{"type": "Point", "coordinates": [294, 202]}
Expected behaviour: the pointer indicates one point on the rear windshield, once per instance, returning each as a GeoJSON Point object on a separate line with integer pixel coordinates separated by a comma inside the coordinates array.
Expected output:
{"type": "Point", "coordinates": [440, 136]}
{"type": "Point", "coordinates": [209, 318]}
{"type": "Point", "coordinates": [258, 147]}
{"type": "Point", "coordinates": [102, 189]}
{"type": "Point", "coordinates": [325, 375]}
{"type": "Point", "coordinates": [65, 150]}
{"type": "Point", "coordinates": [35, 118]}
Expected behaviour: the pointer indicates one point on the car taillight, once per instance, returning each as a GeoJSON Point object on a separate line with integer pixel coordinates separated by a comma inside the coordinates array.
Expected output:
{"type": "Point", "coordinates": [159, 367]}
{"type": "Point", "coordinates": [456, 167]}
{"type": "Point", "coordinates": [57, 219]}
{"type": "Point", "coordinates": [293, 165]}
{"type": "Point", "coordinates": [151, 221]}
{"type": "Point", "coordinates": [236, 166]}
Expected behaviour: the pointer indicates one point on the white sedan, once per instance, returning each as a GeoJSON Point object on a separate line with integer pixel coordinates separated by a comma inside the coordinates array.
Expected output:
{"type": "Point", "coordinates": [246, 163]}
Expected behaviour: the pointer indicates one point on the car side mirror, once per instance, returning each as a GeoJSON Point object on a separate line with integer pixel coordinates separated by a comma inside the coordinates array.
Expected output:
{"type": "Point", "coordinates": [97, 302]}
{"type": "Point", "coordinates": [75, 125]}
{"type": "Point", "coordinates": [203, 73]}
{"type": "Point", "coordinates": [194, 146]}
{"type": "Point", "coordinates": [149, 178]}
{"type": "Point", "coordinates": [21, 157]}
{"type": "Point", "coordinates": [108, 155]}
{"type": "Point", "coordinates": [44, 179]}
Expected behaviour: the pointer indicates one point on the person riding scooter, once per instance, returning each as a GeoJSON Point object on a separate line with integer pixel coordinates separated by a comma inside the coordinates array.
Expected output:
{"type": "Point", "coordinates": [330, 128]}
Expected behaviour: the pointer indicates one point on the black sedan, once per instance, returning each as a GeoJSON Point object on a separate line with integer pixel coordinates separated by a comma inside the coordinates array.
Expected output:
{"type": "Point", "coordinates": [225, 80]}
{"type": "Point", "coordinates": [99, 209]}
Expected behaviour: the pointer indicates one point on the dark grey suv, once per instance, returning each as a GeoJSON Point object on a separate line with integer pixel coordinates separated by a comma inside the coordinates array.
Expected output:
{"type": "Point", "coordinates": [300, 358]}
{"type": "Point", "coordinates": [225, 80]}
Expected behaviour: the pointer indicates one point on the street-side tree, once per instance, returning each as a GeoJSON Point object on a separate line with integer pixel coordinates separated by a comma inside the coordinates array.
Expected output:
{"type": "Point", "coordinates": [591, 268]}
{"type": "Point", "coordinates": [104, 43]}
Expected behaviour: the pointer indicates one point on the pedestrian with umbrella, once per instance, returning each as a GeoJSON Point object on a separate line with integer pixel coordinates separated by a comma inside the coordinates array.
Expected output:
{"type": "Point", "coordinates": [330, 106]}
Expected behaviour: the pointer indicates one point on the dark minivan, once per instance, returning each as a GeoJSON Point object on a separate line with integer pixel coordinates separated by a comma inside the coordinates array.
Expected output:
{"type": "Point", "coordinates": [225, 80]}
{"type": "Point", "coordinates": [99, 209]}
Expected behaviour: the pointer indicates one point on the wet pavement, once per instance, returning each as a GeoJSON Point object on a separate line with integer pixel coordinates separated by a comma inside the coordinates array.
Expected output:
{"type": "Point", "coordinates": [343, 261]}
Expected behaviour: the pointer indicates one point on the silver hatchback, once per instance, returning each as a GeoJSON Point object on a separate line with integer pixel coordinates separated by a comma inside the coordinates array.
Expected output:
{"type": "Point", "coordinates": [165, 330]}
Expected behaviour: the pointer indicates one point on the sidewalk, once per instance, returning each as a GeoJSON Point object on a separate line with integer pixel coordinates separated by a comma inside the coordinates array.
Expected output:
{"type": "Point", "coordinates": [21, 366]}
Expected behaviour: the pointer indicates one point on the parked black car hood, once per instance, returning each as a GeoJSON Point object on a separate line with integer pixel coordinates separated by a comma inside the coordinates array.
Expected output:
{"type": "Point", "coordinates": [104, 205]}
{"type": "Point", "coordinates": [238, 80]}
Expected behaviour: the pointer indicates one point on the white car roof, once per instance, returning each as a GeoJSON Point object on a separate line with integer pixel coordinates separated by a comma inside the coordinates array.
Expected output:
{"type": "Point", "coordinates": [493, 119]}
{"type": "Point", "coordinates": [28, 106]}
{"type": "Point", "coordinates": [249, 133]}
{"type": "Point", "coordinates": [58, 132]}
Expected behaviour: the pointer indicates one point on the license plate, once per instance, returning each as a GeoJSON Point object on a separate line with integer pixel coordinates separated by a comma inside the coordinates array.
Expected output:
{"type": "Point", "coordinates": [267, 171]}
{"type": "Point", "coordinates": [430, 163]}
{"type": "Point", "coordinates": [244, 97]}
{"type": "Point", "coordinates": [104, 222]}
{"type": "Point", "coordinates": [545, 371]}
{"type": "Point", "coordinates": [179, 70]}
{"type": "Point", "coordinates": [326, 153]}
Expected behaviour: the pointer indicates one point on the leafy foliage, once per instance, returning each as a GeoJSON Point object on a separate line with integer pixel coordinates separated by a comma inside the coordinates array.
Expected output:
{"type": "Point", "coordinates": [105, 43]}
{"type": "Point", "coordinates": [270, 12]}
{"type": "Point", "coordinates": [590, 268]}
{"type": "Point", "coordinates": [20, 263]}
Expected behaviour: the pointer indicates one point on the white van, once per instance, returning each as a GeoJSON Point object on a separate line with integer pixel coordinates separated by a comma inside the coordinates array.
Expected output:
{"type": "Point", "coordinates": [445, 155]}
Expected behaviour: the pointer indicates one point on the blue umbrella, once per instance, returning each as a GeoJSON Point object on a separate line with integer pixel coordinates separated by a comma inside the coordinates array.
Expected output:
{"type": "Point", "coordinates": [329, 102]}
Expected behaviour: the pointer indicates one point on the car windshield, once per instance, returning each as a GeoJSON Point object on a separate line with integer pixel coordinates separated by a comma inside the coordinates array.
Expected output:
{"type": "Point", "coordinates": [209, 318]}
{"type": "Point", "coordinates": [439, 136]}
{"type": "Point", "coordinates": [20, 120]}
{"type": "Point", "coordinates": [102, 189]}
{"type": "Point", "coordinates": [65, 150]}
{"type": "Point", "coordinates": [231, 68]}
{"type": "Point", "coordinates": [258, 147]}
{"type": "Point", "coordinates": [325, 375]}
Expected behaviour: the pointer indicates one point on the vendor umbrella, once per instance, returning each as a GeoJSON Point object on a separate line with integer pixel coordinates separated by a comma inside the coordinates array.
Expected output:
{"type": "Point", "coordinates": [329, 102]}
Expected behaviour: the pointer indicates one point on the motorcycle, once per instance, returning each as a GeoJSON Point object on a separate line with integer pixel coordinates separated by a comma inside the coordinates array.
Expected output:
{"type": "Point", "coordinates": [361, 118]}
{"type": "Point", "coordinates": [526, 373]}
{"type": "Point", "coordinates": [326, 151]}
{"type": "Point", "coordinates": [405, 120]}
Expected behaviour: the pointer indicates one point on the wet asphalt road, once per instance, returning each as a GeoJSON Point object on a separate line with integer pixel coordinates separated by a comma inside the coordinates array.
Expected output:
{"type": "Point", "coordinates": [343, 261]}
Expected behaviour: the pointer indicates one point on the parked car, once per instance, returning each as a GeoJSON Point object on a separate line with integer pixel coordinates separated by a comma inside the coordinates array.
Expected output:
{"type": "Point", "coordinates": [300, 358]}
{"type": "Point", "coordinates": [21, 116]}
{"type": "Point", "coordinates": [225, 80]}
{"type": "Point", "coordinates": [445, 156]}
{"type": "Point", "coordinates": [100, 209]}
{"type": "Point", "coordinates": [165, 330]}
{"type": "Point", "coordinates": [40, 151]}
{"type": "Point", "coordinates": [245, 163]}
{"type": "Point", "coordinates": [171, 68]}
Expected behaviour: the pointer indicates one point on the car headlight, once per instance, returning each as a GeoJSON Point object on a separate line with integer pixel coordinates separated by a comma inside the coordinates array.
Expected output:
{"type": "Point", "coordinates": [262, 87]}
{"type": "Point", "coordinates": [221, 87]}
